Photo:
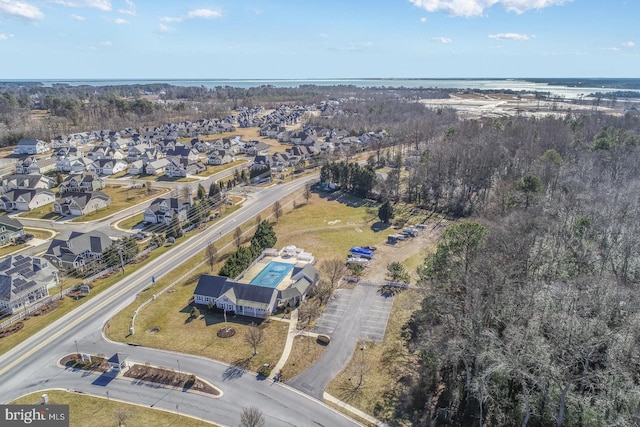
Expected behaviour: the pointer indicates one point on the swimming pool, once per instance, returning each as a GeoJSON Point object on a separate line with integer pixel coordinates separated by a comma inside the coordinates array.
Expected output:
{"type": "Point", "coordinates": [272, 274]}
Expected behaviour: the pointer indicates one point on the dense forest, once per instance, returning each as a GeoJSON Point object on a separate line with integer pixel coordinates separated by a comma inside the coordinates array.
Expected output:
{"type": "Point", "coordinates": [531, 308]}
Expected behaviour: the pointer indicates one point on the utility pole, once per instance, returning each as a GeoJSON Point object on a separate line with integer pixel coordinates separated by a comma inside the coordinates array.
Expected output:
{"type": "Point", "coordinates": [121, 259]}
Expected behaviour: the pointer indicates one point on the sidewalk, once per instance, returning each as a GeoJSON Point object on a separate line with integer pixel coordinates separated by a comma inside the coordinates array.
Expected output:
{"type": "Point", "coordinates": [288, 345]}
{"type": "Point", "coordinates": [329, 398]}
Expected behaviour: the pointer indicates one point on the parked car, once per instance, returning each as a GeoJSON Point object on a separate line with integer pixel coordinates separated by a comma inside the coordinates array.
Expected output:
{"type": "Point", "coordinates": [24, 238]}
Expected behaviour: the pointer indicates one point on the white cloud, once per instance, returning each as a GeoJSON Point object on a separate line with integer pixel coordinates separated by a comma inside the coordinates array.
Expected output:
{"type": "Point", "coordinates": [106, 43]}
{"type": "Point", "coordinates": [95, 4]}
{"type": "Point", "coordinates": [5, 36]}
{"type": "Point", "coordinates": [510, 36]}
{"type": "Point", "coordinates": [204, 13]}
{"type": "Point", "coordinates": [353, 47]}
{"type": "Point", "coordinates": [170, 19]}
{"type": "Point", "coordinates": [164, 29]}
{"type": "Point", "coordinates": [444, 40]}
{"type": "Point", "coordinates": [324, 35]}
{"type": "Point", "coordinates": [612, 49]}
{"type": "Point", "coordinates": [423, 19]}
{"type": "Point", "coordinates": [477, 7]}
{"type": "Point", "coordinates": [628, 44]}
{"type": "Point", "coordinates": [131, 10]}
{"type": "Point", "coordinates": [77, 17]}
{"type": "Point", "coordinates": [20, 9]}
{"type": "Point", "coordinates": [99, 4]}
{"type": "Point", "coordinates": [121, 21]}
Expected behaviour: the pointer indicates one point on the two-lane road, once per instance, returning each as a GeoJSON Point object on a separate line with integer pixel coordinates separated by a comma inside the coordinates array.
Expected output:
{"type": "Point", "coordinates": [32, 365]}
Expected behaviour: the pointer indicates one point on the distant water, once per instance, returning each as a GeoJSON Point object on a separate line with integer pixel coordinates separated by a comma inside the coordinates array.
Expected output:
{"type": "Point", "coordinates": [475, 84]}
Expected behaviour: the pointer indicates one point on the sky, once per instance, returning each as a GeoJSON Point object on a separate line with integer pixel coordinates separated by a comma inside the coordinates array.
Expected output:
{"type": "Point", "coordinates": [315, 39]}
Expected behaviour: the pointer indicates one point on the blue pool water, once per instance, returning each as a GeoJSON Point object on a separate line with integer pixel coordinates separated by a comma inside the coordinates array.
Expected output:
{"type": "Point", "coordinates": [272, 274]}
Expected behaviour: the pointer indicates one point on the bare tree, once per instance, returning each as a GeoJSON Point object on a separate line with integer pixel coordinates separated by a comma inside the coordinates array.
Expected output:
{"type": "Point", "coordinates": [277, 210]}
{"type": "Point", "coordinates": [254, 337]}
{"type": "Point", "coordinates": [122, 415]}
{"type": "Point", "coordinates": [211, 254]}
{"type": "Point", "coordinates": [252, 417]}
{"type": "Point", "coordinates": [307, 193]}
{"type": "Point", "coordinates": [237, 236]}
{"type": "Point", "coordinates": [185, 192]}
{"type": "Point", "coordinates": [333, 269]}
{"type": "Point", "coordinates": [309, 309]}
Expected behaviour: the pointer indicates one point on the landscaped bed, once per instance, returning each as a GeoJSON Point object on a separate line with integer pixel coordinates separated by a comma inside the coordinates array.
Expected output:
{"type": "Point", "coordinates": [170, 378]}
{"type": "Point", "coordinates": [94, 363]}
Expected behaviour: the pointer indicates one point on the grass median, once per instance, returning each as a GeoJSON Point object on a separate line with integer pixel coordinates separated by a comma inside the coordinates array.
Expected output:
{"type": "Point", "coordinates": [91, 411]}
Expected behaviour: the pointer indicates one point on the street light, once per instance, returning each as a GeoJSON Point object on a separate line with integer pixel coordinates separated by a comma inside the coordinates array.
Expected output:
{"type": "Point", "coordinates": [179, 370]}
{"type": "Point", "coordinates": [77, 352]}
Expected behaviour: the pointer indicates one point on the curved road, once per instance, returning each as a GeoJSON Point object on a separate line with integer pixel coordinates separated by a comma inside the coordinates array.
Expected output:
{"type": "Point", "coordinates": [32, 365]}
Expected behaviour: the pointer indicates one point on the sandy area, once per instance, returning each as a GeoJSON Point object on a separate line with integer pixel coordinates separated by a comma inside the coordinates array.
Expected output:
{"type": "Point", "coordinates": [477, 105]}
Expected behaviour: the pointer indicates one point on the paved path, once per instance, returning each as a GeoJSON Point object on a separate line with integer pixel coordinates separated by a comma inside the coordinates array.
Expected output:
{"type": "Point", "coordinates": [288, 345]}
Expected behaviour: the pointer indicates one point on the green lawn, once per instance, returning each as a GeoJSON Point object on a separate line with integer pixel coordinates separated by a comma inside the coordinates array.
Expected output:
{"type": "Point", "coordinates": [90, 411]}
{"type": "Point", "coordinates": [121, 197]}
{"type": "Point", "coordinates": [211, 170]}
{"type": "Point", "coordinates": [132, 221]}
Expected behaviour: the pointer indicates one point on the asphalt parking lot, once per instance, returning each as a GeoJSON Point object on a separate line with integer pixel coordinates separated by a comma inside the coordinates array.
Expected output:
{"type": "Point", "coordinates": [373, 319]}
{"type": "Point", "coordinates": [333, 313]}
{"type": "Point", "coordinates": [375, 323]}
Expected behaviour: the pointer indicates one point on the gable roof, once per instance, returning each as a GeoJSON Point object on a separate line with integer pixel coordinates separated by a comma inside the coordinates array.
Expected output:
{"type": "Point", "coordinates": [77, 243]}
{"type": "Point", "coordinates": [239, 293]}
{"type": "Point", "coordinates": [10, 222]}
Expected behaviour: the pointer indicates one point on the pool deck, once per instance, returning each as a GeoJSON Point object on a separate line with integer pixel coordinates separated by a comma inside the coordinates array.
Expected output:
{"type": "Point", "coordinates": [260, 265]}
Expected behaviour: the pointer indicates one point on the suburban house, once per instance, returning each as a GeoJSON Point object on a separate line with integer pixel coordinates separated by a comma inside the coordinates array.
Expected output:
{"type": "Point", "coordinates": [31, 165]}
{"type": "Point", "coordinates": [182, 151]}
{"type": "Point", "coordinates": [32, 181]}
{"type": "Point", "coordinates": [77, 250]}
{"type": "Point", "coordinates": [81, 203]}
{"type": "Point", "coordinates": [108, 166]}
{"type": "Point", "coordinates": [180, 168]}
{"type": "Point", "coordinates": [82, 182]}
{"type": "Point", "coordinates": [255, 148]}
{"type": "Point", "coordinates": [31, 146]}
{"type": "Point", "coordinates": [74, 164]}
{"type": "Point", "coordinates": [25, 199]}
{"type": "Point", "coordinates": [220, 157]}
{"type": "Point", "coordinates": [240, 298]}
{"type": "Point", "coordinates": [136, 167]}
{"type": "Point", "coordinates": [275, 279]}
{"type": "Point", "coordinates": [162, 210]}
{"type": "Point", "coordinates": [157, 167]}
{"type": "Point", "coordinates": [24, 281]}
{"type": "Point", "coordinates": [10, 229]}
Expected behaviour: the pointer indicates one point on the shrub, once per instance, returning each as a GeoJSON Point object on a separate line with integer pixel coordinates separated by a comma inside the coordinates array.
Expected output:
{"type": "Point", "coordinates": [264, 370]}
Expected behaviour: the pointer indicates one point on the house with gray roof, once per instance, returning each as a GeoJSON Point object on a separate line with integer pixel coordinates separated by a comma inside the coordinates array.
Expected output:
{"type": "Point", "coordinates": [31, 165]}
{"type": "Point", "coordinates": [10, 229]}
{"type": "Point", "coordinates": [163, 209]}
{"type": "Point", "coordinates": [77, 251]}
{"type": "Point", "coordinates": [241, 298]}
{"type": "Point", "coordinates": [81, 203]}
{"type": "Point", "coordinates": [25, 199]}
{"type": "Point", "coordinates": [81, 183]}
{"type": "Point", "coordinates": [33, 181]}
{"type": "Point", "coordinates": [302, 277]}
{"type": "Point", "coordinates": [24, 280]}
{"type": "Point", "coordinates": [157, 167]}
{"type": "Point", "coordinates": [31, 146]}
